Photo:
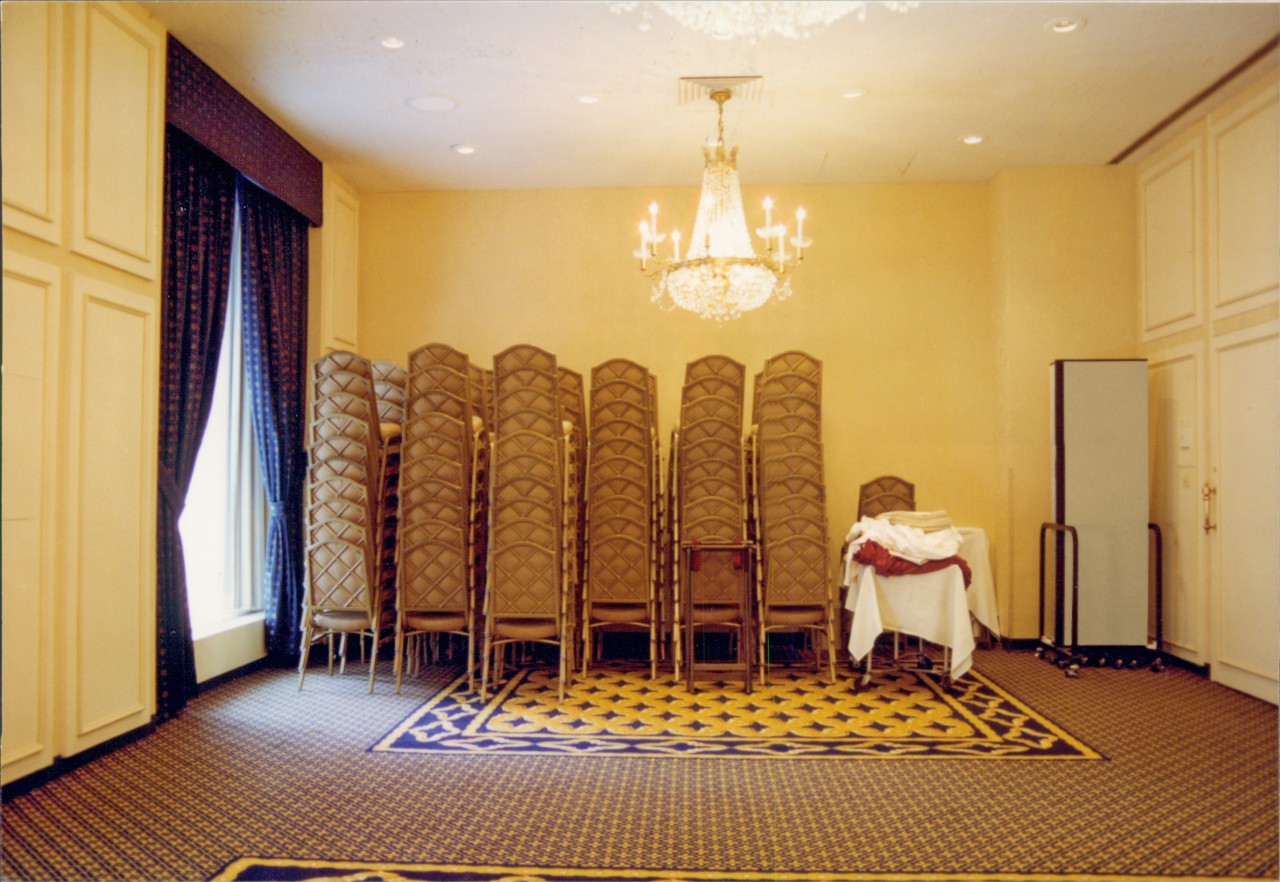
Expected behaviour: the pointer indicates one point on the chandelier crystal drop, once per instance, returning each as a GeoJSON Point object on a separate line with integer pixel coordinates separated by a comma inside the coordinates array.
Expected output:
{"type": "Point", "coordinates": [755, 19]}
{"type": "Point", "coordinates": [720, 277]}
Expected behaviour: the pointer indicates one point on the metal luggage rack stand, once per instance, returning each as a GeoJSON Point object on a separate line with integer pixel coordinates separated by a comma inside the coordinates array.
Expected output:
{"type": "Point", "coordinates": [1070, 658]}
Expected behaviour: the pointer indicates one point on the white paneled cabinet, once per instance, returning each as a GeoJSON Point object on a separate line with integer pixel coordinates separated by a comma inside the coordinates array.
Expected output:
{"type": "Point", "coordinates": [1210, 268]}
{"type": "Point", "coordinates": [117, 138]}
{"type": "Point", "coordinates": [83, 115]}
{"type": "Point", "coordinates": [31, 135]}
{"type": "Point", "coordinates": [108, 522]}
{"type": "Point", "coordinates": [32, 302]}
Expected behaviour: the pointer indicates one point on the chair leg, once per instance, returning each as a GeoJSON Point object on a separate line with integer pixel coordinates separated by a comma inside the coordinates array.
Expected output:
{"type": "Point", "coordinates": [484, 666]}
{"type": "Point", "coordinates": [764, 654]}
{"type": "Point", "coordinates": [306, 649]}
{"type": "Point", "coordinates": [373, 656]}
{"type": "Point", "coordinates": [471, 659]}
{"type": "Point", "coordinates": [399, 655]}
{"type": "Point", "coordinates": [586, 643]}
{"type": "Point", "coordinates": [831, 648]}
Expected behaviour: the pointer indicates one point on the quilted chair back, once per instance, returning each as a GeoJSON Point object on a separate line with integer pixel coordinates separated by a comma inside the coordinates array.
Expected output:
{"type": "Point", "coordinates": [526, 487]}
{"type": "Point", "coordinates": [621, 490]}
{"type": "Point", "coordinates": [792, 493]}
{"type": "Point", "coordinates": [886, 493]}
{"type": "Point", "coordinates": [711, 492]}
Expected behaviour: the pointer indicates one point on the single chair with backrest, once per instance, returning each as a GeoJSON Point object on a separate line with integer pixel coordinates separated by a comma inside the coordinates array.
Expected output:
{"type": "Point", "coordinates": [886, 493]}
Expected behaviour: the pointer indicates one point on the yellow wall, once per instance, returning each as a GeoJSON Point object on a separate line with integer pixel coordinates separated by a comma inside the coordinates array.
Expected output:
{"type": "Point", "coordinates": [903, 297]}
{"type": "Point", "coordinates": [1066, 282]}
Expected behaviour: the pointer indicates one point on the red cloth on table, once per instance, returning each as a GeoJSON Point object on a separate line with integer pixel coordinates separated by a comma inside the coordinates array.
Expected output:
{"type": "Point", "coordinates": [885, 563]}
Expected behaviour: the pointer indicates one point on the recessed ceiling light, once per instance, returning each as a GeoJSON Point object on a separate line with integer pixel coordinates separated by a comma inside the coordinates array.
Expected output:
{"type": "Point", "coordinates": [972, 139]}
{"type": "Point", "coordinates": [393, 42]}
{"type": "Point", "coordinates": [463, 149]}
{"type": "Point", "coordinates": [589, 99]}
{"type": "Point", "coordinates": [856, 92]}
{"type": "Point", "coordinates": [433, 103]}
{"type": "Point", "coordinates": [1065, 25]}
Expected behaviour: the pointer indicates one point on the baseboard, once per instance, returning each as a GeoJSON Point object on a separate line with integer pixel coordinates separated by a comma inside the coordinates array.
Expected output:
{"type": "Point", "coordinates": [63, 764]}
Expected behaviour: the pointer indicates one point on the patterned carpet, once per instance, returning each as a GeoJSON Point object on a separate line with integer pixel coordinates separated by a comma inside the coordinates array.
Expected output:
{"type": "Point", "coordinates": [263, 782]}
{"type": "Point", "coordinates": [798, 715]}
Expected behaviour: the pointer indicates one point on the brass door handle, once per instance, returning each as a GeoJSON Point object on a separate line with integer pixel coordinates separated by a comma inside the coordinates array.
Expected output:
{"type": "Point", "coordinates": [1206, 493]}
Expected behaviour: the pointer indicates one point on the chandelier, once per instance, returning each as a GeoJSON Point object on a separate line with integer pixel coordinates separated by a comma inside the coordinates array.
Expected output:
{"type": "Point", "coordinates": [720, 277]}
{"type": "Point", "coordinates": [754, 19]}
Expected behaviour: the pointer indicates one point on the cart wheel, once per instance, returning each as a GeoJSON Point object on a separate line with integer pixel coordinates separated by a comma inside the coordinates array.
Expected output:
{"type": "Point", "coordinates": [926, 663]}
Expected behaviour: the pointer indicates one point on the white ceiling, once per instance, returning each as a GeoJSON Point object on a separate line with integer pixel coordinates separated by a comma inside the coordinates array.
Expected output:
{"type": "Point", "coordinates": [517, 69]}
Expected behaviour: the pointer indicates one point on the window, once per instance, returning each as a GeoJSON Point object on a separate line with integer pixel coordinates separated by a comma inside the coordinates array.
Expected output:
{"type": "Point", "coordinates": [223, 525]}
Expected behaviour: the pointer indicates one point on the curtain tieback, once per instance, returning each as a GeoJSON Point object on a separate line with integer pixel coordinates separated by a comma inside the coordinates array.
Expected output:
{"type": "Point", "coordinates": [170, 493]}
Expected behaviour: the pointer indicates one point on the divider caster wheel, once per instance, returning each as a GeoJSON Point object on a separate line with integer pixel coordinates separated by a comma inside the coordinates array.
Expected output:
{"type": "Point", "coordinates": [1102, 661]}
{"type": "Point", "coordinates": [1039, 652]}
{"type": "Point", "coordinates": [1133, 664]}
{"type": "Point", "coordinates": [1119, 663]}
{"type": "Point", "coordinates": [1158, 665]}
{"type": "Point", "coordinates": [926, 663]}
{"type": "Point", "coordinates": [1071, 671]}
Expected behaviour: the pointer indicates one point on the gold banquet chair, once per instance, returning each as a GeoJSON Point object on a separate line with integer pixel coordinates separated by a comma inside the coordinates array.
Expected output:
{"type": "Point", "coordinates": [526, 599]}
{"type": "Point", "coordinates": [621, 560]}
{"type": "Point", "coordinates": [797, 592]}
{"type": "Point", "coordinates": [886, 493]}
{"type": "Point", "coordinates": [435, 568]}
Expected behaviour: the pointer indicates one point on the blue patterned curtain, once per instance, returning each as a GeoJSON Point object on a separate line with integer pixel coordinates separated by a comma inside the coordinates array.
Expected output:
{"type": "Point", "coordinates": [199, 204]}
{"type": "Point", "coordinates": [274, 268]}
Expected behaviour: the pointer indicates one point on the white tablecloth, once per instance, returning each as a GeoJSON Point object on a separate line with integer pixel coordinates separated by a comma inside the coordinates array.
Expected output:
{"type": "Point", "coordinates": [934, 605]}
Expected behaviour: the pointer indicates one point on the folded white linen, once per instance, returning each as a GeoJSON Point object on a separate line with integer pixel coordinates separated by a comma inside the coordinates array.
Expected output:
{"type": "Point", "coordinates": [900, 540]}
{"type": "Point", "coordinates": [928, 521]}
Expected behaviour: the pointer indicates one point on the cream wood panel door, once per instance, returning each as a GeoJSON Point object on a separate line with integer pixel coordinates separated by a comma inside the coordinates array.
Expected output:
{"type": "Point", "coordinates": [107, 536]}
{"type": "Point", "coordinates": [117, 136]}
{"type": "Point", "coordinates": [1244, 512]}
{"type": "Point", "coordinates": [31, 118]}
{"type": "Point", "coordinates": [339, 266]}
{"type": "Point", "coordinates": [1175, 390]}
{"type": "Point", "coordinates": [32, 307]}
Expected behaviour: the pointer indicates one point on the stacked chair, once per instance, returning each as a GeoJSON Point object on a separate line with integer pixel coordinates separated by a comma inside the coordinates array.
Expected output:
{"type": "Point", "coordinates": [531, 485]}
{"type": "Point", "coordinates": [710, 507]}
{"type": "Point", "coordinates": [621, 559]}
{"type": "Point", "coordinates": [795, 588]}
{"type": "Point", "coordinates": [573, 420]}
{"type": "Point", "coordinates": [343, 510]}
{"type": "Point", "coordinates": [389, 387]}
{"type": "Point", "coordinates": [438, 475]}
{"type": "Point", "coordinates": [482, 424]}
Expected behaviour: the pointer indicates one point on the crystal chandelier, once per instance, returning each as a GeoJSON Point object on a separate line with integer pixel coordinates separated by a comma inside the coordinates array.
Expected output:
{"type": "Point", "coordinates": [720, 276]}
{"type": "Point", "coordinates": [754, 19]}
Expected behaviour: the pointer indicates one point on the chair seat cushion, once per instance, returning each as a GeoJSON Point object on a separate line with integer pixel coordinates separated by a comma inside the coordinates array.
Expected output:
{"type": "Point", "coordinates": [715, 614]}
{"type": "Point", "coordinates": [526, 629]}
{"type": "Point", "coordinates": [619, 612]}
{"type": "Point", "coordinates": [342, 620]}
{"type": "Point", "coordinates": [794, 615]}
{"type": "Point", "coordinates": [435, 621]}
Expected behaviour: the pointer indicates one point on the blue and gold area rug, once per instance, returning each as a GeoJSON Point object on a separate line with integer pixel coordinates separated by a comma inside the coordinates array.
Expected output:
{"type": "Point", "coordinates": [622, 713]}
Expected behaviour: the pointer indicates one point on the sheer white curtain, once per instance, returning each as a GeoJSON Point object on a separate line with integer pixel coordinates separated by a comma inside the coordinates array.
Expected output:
{"type": "Point", "coordinates": [224, 523]}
